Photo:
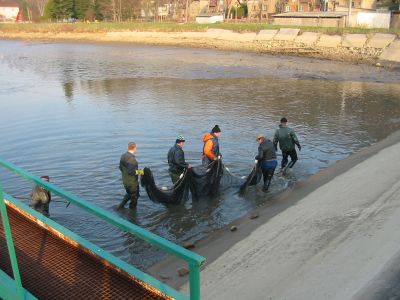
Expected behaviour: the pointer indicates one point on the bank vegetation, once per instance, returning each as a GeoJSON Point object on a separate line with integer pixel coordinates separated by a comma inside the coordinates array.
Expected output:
{"type": "Point", "coordinates": [99, 27]}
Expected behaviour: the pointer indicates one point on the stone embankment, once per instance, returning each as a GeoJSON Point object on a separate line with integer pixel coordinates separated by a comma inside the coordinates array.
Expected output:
{"type": "Point", "coordinates": [376, 48]}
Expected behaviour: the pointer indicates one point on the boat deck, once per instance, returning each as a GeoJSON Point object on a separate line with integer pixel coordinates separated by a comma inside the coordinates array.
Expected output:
{"type": "Point", "coordinates": [53, 268]}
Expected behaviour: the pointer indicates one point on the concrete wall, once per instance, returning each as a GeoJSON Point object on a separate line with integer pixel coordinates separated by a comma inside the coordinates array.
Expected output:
{"type": "Point", "coordinates": [324, 22]}
{"type": "Point", "coordinates": [395, 21]}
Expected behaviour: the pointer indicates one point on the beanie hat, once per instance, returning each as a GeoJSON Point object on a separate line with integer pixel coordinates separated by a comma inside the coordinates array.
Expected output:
{"type": "Point", "coordinates": [45, 177]}
{"type": "Point", "coordinates": [179, 139]}
{"type": "Point", "coordinates": [216, 129]}
{"type": "Point", "coordinates": [283, 120]}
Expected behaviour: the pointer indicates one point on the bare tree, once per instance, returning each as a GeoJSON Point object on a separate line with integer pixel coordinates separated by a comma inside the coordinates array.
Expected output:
{"type": "Point", "coordinates": [40, 5]}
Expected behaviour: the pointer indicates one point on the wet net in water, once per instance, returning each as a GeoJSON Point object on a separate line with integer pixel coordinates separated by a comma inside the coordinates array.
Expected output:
{"type": "Point", "coordinates": [200, 182]}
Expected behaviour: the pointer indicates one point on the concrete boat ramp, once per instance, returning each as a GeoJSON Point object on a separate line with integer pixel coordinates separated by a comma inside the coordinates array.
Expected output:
{"type": "Point", "coordinates": [341, 241]}
{"type": "Point", "coordinates": [333, 236]}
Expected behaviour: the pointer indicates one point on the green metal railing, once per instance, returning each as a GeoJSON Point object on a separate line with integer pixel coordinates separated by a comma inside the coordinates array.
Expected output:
{"type": "Point", "coordinates": [13, 289]}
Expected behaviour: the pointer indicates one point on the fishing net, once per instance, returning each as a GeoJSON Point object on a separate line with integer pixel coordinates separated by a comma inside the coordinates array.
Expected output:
{"type": "Point", "coordinates": [252, 179]}
{"type": "Point", "coordinates": [173, 195]}
{"type": "Point", "coordinates": [202, 182]}
{"type": "Point", "coordinates": [206, 181]}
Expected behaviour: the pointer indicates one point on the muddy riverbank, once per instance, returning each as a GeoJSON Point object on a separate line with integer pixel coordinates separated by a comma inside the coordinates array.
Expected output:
{"type": "Point", "coordinates": [305, 46]}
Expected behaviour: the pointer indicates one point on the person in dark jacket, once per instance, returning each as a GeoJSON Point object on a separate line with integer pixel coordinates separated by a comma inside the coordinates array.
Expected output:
{"type": "Point", "coordinates": [287, 139]}
{"type": "Point", "coordinates": [267, 158]}
{"type": "Point", "coordinates": [128, 166]}
{"type": "Point", "coordinates": [176, 159]}
{"type": "Point", "coordinates": [211, 146]}
{"type": "Point", "coordinates": [40, 198]}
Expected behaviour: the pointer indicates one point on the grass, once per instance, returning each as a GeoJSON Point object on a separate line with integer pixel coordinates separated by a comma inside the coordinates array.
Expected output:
{"type": "Point", "coordinates": [81, 27]}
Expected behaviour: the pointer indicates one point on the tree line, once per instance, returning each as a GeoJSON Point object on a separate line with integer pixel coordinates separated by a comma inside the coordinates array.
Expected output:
{"type": "Point", "coordinates": [100, 10]}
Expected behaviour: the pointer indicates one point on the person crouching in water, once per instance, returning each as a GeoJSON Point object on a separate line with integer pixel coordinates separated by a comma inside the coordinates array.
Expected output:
{"type": "Point", "coordinates": [211, 146]}
{"type": "Point", "coordinates": [40, 198]}
{"type": "Point", "coordinates": [267, 158]}
{"type": "Point", "coordinates": [176, 159]}
{"type": "Point", "coordinates": [128, 166]}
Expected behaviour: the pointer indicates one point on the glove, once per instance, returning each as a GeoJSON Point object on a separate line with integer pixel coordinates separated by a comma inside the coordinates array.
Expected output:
{"type": "Point", "coordinates": [298, 146]}
{"type": "Point", "coordinates": [256, 161]}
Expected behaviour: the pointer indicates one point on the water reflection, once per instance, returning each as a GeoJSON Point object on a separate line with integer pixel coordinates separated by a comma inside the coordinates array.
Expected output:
{"type": "Point", "coordinates": [68, 111]}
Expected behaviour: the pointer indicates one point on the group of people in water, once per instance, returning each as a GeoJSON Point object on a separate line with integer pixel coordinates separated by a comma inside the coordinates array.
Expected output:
{"type": "Point", "coordinates": [266, 158]}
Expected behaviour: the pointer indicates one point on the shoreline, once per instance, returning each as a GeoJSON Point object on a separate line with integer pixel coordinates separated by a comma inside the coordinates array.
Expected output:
{"type": "Point", "coordinates": [218, 243]}
{"type": "Point", "coordinates": [288, 44]}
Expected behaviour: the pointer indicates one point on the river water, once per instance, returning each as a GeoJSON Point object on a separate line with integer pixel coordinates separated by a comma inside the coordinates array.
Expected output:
{"type": "Point", "coordinates": [68, 110]}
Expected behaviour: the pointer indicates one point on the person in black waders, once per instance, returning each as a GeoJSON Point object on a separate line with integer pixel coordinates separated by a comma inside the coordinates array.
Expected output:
{"type": "Point", "coordinates": [211, 146]}
{"type": "Point", "coordinates": [128, 166]}
{"type": "Point", "coordinates": [286, 137]}
{"type": "Point", "coordinates": [176, 159]}
{"type": "Point", "coordinates": [40, 198]}
{"type": "Point", "coordinates": [267, 158]}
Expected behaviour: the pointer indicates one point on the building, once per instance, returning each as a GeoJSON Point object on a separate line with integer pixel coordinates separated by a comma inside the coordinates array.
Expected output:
{"type": "Point", "coordinates": [9, 11]}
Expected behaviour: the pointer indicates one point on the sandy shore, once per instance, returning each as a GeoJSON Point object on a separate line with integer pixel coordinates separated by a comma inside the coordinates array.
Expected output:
{"type": "Point", "coordinates": [333, 236]}
{"type": "Point", "coordinates": [197, 40]}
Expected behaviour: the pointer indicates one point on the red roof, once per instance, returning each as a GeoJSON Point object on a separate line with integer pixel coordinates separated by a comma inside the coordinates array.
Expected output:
{"type": "Point", "coordinates": [9, 4]}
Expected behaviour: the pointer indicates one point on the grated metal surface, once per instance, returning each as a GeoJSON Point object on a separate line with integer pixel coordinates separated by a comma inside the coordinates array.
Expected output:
{"type": "Point", "coordinates": [52, 268]}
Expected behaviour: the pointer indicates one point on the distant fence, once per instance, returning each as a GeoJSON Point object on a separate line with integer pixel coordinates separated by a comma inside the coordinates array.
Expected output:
{"type": "Point", "coordinates": [395, 20]}
{"type": "Point", "coordinates": [373, 20]}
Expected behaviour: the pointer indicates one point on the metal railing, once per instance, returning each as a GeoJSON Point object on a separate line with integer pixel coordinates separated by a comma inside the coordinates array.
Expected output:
{"type": "Point", "coordinates": [16, 290]}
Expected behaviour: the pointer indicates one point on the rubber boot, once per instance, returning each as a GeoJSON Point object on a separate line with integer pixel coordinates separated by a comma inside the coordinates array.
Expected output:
{"type": "Point", "coordinates": [124, 201]}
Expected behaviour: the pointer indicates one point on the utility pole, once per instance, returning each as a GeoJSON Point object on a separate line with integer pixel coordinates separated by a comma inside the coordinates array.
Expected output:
{"type": "Point", "coordinates": [187, 9]}
{"type": "Point", "coordinates": [349, 13]}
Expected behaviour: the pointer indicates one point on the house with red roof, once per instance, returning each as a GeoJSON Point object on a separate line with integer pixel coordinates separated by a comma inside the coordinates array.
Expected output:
{"type": "Point", "coordinates": [9, 11]}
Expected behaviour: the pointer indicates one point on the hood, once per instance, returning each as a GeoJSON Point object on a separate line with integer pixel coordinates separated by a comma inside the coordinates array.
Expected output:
{"type": "Point", "coordinates": [207, 136]}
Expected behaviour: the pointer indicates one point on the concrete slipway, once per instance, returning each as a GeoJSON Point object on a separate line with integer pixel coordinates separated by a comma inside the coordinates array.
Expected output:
{"type": "Point", "coordinates": [335, 236]}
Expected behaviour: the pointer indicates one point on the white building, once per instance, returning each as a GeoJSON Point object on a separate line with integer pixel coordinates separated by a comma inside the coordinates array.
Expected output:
{"type": "Point", "coordinates": [8, 11]}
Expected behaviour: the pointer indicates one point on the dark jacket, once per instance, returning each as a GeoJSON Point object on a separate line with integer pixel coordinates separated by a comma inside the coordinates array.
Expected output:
{"type": "Point", "coordinates": [40, 194]}
{"type": "Point", "coordinates": [128, 166]}
{"type": "Point", "coordinates": [286, 138]}
{"type": "Point", "coordinates": [40, 199]}
{"type": "Point", "coordinates": [176, 159]}
{"type": "Point", "coordinates": [266, 151]}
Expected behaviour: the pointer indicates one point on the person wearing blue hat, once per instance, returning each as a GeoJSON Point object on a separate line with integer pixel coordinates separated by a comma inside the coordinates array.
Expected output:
{"type": "Point", "coordinates": [176, 159]}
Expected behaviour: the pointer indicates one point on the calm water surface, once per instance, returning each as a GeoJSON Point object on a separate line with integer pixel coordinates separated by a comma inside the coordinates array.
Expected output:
{"type": "Point", "coordinates": [69, 110]}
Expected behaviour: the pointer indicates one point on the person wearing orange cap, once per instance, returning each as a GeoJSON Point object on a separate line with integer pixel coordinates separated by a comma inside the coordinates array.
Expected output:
{"type": "Point", "coordinates": [211, 146]}
{"type": "Point", "coordinates": [40, 198]}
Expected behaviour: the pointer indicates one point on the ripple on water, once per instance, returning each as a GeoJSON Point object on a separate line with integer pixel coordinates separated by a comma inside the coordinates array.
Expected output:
{"type": "Point", "coordinates": [70, 110]}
